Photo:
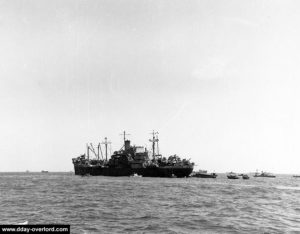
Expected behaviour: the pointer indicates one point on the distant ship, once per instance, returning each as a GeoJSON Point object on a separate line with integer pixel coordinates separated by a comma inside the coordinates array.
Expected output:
{"type": "Point", "coordinates": [296, 176]}
{"type": "Point", "coordinates": [130, 160]}
{"type": "Point", "coordinates": [264, 174]}
{"type": "Point", "coordinates": [204, 174]}
{"type": "Point", "coordinates": [44, 171]}
{"type": "Point", "coordinates": [232, 176]}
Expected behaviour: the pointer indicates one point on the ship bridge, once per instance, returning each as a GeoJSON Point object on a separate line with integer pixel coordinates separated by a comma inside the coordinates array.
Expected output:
{"type": "Point", "coordinates": [140, 149]}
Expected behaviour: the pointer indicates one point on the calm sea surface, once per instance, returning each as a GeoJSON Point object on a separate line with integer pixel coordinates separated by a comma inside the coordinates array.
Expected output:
{"type": "Point", "coordinates": [152, 205]}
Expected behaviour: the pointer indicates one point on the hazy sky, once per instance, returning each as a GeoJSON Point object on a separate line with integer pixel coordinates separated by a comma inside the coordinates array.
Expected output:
{"type": "Point", "coordinates": [219, 80]}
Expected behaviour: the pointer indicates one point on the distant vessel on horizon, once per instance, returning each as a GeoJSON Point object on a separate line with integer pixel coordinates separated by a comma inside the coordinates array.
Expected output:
{"type": "Point", "coordinates": [44, 171]}
{"type": "Point", "coordinates": [264, 174]}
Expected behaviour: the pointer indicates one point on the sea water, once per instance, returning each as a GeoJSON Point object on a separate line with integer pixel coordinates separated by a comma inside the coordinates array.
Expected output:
{"type": "Point", "coordinates": [152, 205]}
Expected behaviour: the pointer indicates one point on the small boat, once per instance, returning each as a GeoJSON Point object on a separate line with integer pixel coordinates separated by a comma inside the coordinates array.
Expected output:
{"type": "Point", "coordinates": [245, 177]}
{"type": "Point", "coordinates": [44, 171]}
{"type": "Point", "coordinates": [204, 174]}
{"type": "Point", "coordinates": [264, 174]}
{"type": "Point", "coordinates": [232, 176]}
{"type": "Point", "coordinates": [296, 176]}
{"type": "Point", "coordinates": [135, 175]}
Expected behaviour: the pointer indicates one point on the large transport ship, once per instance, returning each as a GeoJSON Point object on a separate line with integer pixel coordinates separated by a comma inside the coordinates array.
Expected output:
{"type": "Point", "coordinates": [131, 160]}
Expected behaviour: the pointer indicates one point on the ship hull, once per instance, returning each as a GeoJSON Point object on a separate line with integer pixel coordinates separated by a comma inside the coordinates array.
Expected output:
{"type": "Point", "coordinates": [102, 171]}
{"type": "Point", "coordinates": [145, 172]}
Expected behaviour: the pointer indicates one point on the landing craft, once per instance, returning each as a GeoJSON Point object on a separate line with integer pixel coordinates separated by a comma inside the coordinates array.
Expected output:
{"type": "Point", "coordinates": [232, 176]}
{"type": "Point", "coordinates": [204, 174]}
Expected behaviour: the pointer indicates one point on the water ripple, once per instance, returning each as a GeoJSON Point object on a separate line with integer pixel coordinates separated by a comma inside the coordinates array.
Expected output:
{"type": "Point", "coordinates": [151, 205]}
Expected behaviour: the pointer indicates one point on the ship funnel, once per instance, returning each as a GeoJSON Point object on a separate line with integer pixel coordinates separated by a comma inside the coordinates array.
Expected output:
{"type": "Point", "coordinates": [127, 145]}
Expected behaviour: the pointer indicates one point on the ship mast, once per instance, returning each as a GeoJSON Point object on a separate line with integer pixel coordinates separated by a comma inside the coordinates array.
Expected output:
{"type": "Point", "coordinates": [153, 140]}
{"type": "Point", "coordinates": [124, 134]}
{"type": "Point", "coordinates": [106, 143]}
{"type": "Point", "coordinates": [88, 151]}
{"type": "Point", "coordinates": [157, 144]}
{"type": "Point", "coordinates": [91, 148]}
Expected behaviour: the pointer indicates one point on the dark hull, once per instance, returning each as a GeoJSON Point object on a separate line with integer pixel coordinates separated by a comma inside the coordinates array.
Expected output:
{"type": "Point", "coordinates": [203, 175]}
{"type": "Point", "coordinates": [233, 177]}
{"type": "Point", "coordinates": [265, 176]}
{"type": "Point", "coordinates": [145, 172]}
{"type": "Point", "coordinates": [102, 171]}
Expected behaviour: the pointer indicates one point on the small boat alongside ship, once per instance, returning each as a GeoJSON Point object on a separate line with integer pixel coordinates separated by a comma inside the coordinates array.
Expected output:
{"type": "Point", "coordinates": [204, 174]}
{"type": "Point", "coordinates": [264, 174]}
{"type": "Point", "coordinates": [135, 175]}
{"type": "Point", "coordinates": [130, 160]}
{"type": "Point", "coordinates": [245, 177]}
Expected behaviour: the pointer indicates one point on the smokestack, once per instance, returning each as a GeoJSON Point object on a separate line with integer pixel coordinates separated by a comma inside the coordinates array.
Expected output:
{"type": "Point", "coordinates": [127, 145]}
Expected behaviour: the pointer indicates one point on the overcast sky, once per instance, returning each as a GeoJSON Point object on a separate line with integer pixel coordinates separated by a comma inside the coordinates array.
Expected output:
{"type": "Point", "coordinates": [219, 80]}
